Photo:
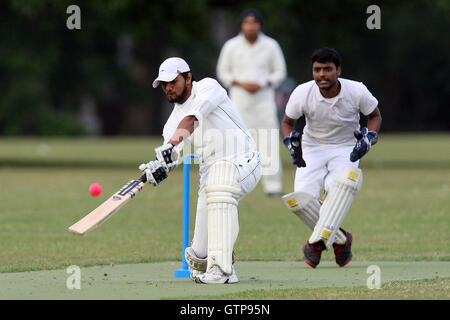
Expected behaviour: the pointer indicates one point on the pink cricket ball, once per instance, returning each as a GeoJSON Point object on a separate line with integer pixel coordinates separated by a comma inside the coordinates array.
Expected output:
{"type": "Point", "coordinates": [95, 189]}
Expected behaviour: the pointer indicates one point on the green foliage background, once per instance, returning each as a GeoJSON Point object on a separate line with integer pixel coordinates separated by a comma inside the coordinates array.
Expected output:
{"type": "Point", "coordinates": [47, 71]}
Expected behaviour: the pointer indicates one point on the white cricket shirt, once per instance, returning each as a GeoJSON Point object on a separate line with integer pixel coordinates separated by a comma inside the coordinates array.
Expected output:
{"type": "Point", "coordinates": [260, 62]}
{"type": "Point", "coordinates": [330, 121]}
{"type": "Point", "coordinates": [221, 133]}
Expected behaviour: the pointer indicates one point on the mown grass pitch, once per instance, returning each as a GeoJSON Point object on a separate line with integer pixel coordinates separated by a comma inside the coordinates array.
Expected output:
{"type": "Point", "coordinates": [401, 214]}
{"type": "Point", "coordinates": [287, 280]}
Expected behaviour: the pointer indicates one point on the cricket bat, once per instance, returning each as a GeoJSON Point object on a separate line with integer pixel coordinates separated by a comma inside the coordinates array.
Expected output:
{"type": "Point", "coordinates": [108, 208]}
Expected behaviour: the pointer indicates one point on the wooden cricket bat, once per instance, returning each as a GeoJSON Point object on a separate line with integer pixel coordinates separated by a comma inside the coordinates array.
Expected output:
{"type": "Point", "coordinates": [108, 208]}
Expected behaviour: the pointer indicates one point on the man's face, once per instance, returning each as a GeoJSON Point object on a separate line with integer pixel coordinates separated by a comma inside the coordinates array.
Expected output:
{"type": "Point", "coordinates": [177, 89]}
{"type": "Point", "coordinates": [325, 74]}
{"type": "Point", "coordinates": [250, 26]}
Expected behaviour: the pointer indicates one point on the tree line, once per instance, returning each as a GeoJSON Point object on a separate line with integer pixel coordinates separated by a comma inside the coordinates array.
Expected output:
{"type": "Point", "coordinates": [97, 79]}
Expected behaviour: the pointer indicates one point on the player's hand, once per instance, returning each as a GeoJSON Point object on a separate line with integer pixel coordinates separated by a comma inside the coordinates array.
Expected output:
{"type": "Point", "coordinates": [154, 171]}
{"type": "Point", "coordinates": [167, 155]}
{"type": "Point", "coordinates": [366, 139]}
{"type": "Point", "coordinates": [293, 143]}
{"type": "Point", "coordinates": [251, 87]}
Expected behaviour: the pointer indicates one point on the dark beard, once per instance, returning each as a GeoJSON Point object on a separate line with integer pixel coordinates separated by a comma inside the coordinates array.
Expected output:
{"type": "Point", "coordinates": [181, 97]}
{"type": "Point", "coordinates": [331, 86]}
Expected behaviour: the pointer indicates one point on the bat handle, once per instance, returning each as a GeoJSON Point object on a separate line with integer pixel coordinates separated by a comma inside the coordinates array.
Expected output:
{"type": "Point", "coordinates": [143, 178]}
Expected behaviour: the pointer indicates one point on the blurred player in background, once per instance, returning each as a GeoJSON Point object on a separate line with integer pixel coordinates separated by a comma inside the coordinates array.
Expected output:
{"type": "Point", "coordinates": [326, 154]}
{"type": "Point", "coordinates": [252, 65]}
{"type": "Point", "coordinates": [229, 168]}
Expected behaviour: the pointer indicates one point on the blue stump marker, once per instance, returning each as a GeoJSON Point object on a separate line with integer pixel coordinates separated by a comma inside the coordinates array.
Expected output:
{"type": "Point", "coordinates": [184, 271]}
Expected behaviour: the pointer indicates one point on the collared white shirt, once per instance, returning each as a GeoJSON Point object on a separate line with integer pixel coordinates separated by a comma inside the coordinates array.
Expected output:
{"type": "Point", "coordinates": [330, 121]}
{"type": "Point", "coordinates": [221, 133]}
{"type": "Point", "coordinates": [260, 62]}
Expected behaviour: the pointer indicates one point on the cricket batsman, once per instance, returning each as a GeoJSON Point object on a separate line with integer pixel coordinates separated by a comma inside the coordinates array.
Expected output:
{"type": "Point", "coordinates": [229, 165]}
{"type": "Point", "coordinates": [328, 153]}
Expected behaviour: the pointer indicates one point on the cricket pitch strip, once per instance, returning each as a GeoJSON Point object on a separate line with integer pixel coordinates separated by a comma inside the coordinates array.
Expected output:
{"type": "Point", "coordinates": [155, 281]}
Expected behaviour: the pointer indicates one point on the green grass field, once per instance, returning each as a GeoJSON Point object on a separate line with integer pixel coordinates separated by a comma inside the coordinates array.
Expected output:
{"type": "Point", "coordinates": [401, 214]}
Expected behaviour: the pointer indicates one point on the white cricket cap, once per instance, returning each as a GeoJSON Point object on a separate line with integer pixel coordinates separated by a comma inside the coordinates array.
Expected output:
{"type": "Point", "coordinates": [170, 69]}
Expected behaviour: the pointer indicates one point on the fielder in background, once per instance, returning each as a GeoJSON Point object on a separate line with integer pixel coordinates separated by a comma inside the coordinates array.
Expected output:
{"type": "Point", "coordinates": [328, 153]}
{"type": "Point", "coordinates": [252, 65]}
{"type": "Point", "coordinates": [229, 165]}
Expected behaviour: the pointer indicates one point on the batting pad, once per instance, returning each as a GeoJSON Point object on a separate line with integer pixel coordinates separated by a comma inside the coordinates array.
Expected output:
{"type": "Point", "coordinates": [304, 205]}
{"type": "Point", "coordinates": [193, 261]}
{"type": "Point", "coordinates": [222, 191]}
{"type": "Point", "coordinates": [343, 190]}
{"type": "Point", "coordinates": [307, 208]}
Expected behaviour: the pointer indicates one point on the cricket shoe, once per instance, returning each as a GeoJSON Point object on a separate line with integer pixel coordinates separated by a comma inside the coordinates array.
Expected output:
{"type": "Point", "coordinates": [312, 253]}
{"type": "Point", "coordinates": [194, 274]}
{"type": "Point", "coordinates": [343, 252]}
{"type": "Point", "coordinates": [215, 275]}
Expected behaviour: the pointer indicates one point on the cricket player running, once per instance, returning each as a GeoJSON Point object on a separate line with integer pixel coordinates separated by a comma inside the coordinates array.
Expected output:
{"type": "Point", "coordinates": [229, 165]}
{"type": "Point", "coordinates": [326, 154]}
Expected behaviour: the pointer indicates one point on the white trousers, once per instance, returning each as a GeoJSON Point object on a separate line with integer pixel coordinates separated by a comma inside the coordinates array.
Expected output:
{"type": "Point", "coordinates": [249, 167]}
{"type": "Point", "coordinates": [323, 162]}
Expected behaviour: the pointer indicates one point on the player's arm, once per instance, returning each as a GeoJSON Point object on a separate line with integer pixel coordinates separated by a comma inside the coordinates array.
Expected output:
{"type": "Point", "coordinates": [374, 120]}
{"type": "Point", "coordinates": [225, 74]}
{"type": "Point", "coordinates": [167, 155]}
{"type": "Point", "coordinates": [209, 95]}
{"type": "Point", "coordinates": [287, 126]}
{"type": "Point", "coordinates": [278, 67]}
{"type": "Point", "coordinates": [184, 130]}
{"type": "Point", "coordinates": [223, 68]}
{"type": "Point", "coordinates": [292, 140]}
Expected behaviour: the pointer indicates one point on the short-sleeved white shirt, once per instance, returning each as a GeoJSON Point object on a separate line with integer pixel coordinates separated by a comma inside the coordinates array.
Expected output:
{"type": "Point", "coordinates": [260, 62]}
{"type": "Point", "coordinates": [221, 133]}
{"type": "Point", "coordinates": [330, 121]}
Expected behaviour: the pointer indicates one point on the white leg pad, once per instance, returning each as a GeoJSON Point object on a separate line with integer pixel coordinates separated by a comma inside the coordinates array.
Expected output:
{"type": "Point", "coordinates": [307, 208]}
{"type": "Point", "coordinates": [340, 237]}
{"type": "Point", "coordinates": [344, 188]}
{"type": "Point", "coordinates": [222, 191]}
{"type": "Point", "coordinates": [194, 261]}
{"type": "Point", "coordinates": [304, 205]}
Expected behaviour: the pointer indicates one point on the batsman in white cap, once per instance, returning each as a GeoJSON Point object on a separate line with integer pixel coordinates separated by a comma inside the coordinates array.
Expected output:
{"type": "Point", "coordinates": [326, 155]}
{"type": "Point", "coordinates": [229, 165]}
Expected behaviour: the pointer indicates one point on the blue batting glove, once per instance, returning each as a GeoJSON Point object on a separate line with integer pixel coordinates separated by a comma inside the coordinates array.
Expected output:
{"type": "Point", "coordinates": [366, 139]}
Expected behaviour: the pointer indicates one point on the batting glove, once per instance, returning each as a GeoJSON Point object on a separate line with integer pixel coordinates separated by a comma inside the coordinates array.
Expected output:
{"type": "Point", "coordinates": [366, 139]}
{"type": "Point", "coordinates": [167, 155]}
{"type": "Point", "coordinates": [293, 143]}
{"type": "Point", "coordinates": [154, 171]}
